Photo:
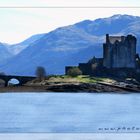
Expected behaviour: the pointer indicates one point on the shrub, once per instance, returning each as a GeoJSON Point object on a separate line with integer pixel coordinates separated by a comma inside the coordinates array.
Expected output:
{"type": "Point", "coordinates": [74, 72]}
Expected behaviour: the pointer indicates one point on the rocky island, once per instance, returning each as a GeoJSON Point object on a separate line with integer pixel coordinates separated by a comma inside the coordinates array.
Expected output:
{"type": "Point", "coordinates": [117, 71]}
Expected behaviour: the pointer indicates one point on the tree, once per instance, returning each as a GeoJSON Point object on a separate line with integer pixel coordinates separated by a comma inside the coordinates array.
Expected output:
{"type": "Point", "coordinates": [40, 73]}
{"type": "Point", "coordinates": [74, 72]}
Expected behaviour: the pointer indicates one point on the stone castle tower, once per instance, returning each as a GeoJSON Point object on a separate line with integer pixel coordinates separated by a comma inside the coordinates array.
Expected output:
{"type": "Point", "coordinates": [119, 52]}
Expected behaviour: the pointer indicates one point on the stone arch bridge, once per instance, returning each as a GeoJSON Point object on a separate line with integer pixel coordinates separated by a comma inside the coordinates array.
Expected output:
{"type": "Point", "coordinates": [22, 79]}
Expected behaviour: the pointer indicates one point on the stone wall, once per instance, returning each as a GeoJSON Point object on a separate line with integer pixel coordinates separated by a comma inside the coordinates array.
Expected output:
{"type": "Point", "coordinates": [86, 68]}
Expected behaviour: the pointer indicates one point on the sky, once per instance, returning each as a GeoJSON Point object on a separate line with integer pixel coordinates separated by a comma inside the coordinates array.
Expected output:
{"type": "Point", "coordinates": [21, 19]}
{"type": "Point", "coordinates": [69, 2]}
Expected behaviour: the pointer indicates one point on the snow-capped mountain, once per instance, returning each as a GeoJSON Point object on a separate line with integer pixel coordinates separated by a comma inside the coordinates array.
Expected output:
{"type": "Point", "coordinates": [70, 45]}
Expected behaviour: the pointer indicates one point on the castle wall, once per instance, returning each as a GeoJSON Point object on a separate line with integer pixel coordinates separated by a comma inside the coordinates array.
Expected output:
{"type": "Point", "coordinates": [106, 56]}
{"type": "Point", "coordinates": [86, 68]}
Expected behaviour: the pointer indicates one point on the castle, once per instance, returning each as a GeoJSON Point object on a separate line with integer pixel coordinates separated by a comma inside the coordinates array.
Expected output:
{"type": "Point", "coordinates": [119, 58]}
{"type": "Point", "coordinates": [119, 52]}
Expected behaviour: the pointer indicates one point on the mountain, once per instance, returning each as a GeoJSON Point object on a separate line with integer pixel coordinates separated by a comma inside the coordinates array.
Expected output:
{"type": "Point", "coordinates": [56, 48]}
{"type": "Point", "coordinates": [4, 53]}
{"type": "Point", "coordinates": [70, 45]}
{"type": "Point", "coordinates": [17, 48]}
{"type": "Point", "coordinates": [111, 25]}
{"type": "Point", "coordinates": [134, 28]}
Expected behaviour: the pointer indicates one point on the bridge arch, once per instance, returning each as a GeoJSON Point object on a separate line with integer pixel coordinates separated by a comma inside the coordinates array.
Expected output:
{"type": "Point", "coordinates": [13, 81]}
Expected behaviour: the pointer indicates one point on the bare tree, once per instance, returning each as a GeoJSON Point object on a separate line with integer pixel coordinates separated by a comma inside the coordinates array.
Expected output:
{"type": "Point", "coordinates": [40, 73]}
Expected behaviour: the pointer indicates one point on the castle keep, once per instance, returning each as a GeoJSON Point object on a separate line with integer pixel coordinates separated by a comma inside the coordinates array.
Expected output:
{"type": "Point", "coordinates": [119, 52]}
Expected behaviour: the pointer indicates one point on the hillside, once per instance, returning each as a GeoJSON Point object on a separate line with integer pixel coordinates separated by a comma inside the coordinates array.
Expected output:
{"type": "Point", "coordinates": [4, 53]}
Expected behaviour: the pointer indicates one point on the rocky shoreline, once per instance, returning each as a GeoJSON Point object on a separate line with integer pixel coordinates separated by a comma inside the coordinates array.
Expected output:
{"type": "Point", "coordinates": [70, 87]}
{"type": "Point", "coordinates": [91, 87]}
{"type": "Point", "coordinates": [77, 84]}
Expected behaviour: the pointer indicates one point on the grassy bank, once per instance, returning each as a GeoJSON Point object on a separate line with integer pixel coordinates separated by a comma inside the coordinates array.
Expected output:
{"type": "Point", "coordinates": [69, 79]}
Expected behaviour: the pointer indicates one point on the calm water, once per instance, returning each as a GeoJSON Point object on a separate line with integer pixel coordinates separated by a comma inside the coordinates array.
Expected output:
{"type": "Point", "coordinates": [65, 112]}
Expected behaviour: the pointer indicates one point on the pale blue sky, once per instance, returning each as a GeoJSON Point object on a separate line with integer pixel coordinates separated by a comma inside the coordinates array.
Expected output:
{"type": "Point", "coordinates": [18, 24]}
{"type": "Point", "coordinates": [70, 2]}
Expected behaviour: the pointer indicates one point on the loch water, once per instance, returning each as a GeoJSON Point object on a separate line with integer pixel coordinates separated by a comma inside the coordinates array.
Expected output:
{"type": "Point", "coordinates": [69, 112]}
